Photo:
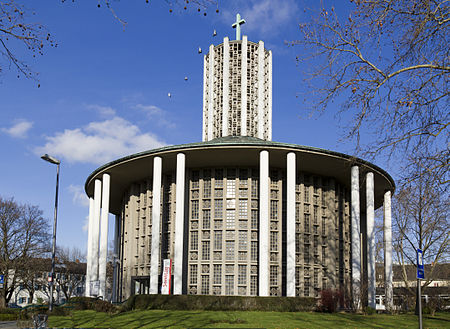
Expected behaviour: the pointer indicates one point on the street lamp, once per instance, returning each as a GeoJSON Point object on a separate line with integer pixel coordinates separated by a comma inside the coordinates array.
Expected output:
{"type": "Point", "coordinates": [55, 161]}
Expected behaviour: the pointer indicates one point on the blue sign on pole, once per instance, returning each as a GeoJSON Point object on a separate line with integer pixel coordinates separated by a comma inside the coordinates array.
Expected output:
{"type": "Point", "coordinates": [420, 270]}
{"type": "Point", "coordinates": [2, 281]}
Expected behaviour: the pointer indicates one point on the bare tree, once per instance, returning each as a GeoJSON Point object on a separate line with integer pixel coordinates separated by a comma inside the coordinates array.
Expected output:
{"type": "Point", "coordinates": [387, 61]}
{"type": "Point", "coordinates": [71, 270]}
{"type": "Point", "coordinates": [202, 6]}
{"type": "Point", "coordinates": [421, 220]}
{"type": "Point", "coordinates": [23, 235]}
{"type": "Point", "coordinates": [32, 276]}
{"type": "Point", "coordinates": [19, 27]}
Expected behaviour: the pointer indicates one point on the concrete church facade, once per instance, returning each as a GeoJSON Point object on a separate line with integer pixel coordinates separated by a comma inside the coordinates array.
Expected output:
{"type": "Point", "coordinates": [237, 213]}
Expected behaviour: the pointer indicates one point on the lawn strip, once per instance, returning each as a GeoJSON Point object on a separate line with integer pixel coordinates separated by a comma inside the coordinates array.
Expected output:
{"type": "Point", "coordinates": [242, 319]}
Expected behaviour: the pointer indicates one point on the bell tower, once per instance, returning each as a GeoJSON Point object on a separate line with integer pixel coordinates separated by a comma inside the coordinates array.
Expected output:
{"type": "Point", "coordinates": [237, 89]}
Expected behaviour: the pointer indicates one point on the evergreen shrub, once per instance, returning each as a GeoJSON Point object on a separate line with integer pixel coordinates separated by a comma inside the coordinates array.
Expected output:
{"type": "Point", "coordinates": [88, 303]}
{"type": "Point", "coordinates": [9, 316]}
{"type": "Point", "coordinates": [219, 303]}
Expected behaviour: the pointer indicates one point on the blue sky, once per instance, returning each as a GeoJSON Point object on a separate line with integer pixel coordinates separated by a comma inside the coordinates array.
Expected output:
{"type": "Point", "coordinates": [104, 93]}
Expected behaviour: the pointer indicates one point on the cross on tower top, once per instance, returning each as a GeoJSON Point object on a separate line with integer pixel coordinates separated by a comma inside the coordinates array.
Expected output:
{"type": "Point", "coordinates": [237, 25]}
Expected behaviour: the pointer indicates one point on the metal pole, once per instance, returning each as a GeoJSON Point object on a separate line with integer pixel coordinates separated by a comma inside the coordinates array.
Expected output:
{"type": "Point", "coordinates": [52, 273]}
{"type": "Point", "coordinates": [420, 302]}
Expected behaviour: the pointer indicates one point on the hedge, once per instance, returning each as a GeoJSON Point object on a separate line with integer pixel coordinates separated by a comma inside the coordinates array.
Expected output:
{"type": "Point", "coordinates": [76, 303]}
{"type": "Point", "coordinates": [219, 303]}
{"type": "Point", "coordinates": [9, 314]}
{"type": "Point", "coordinates": [8, 317]}
{"type": "Point", "coordinates": [88, 303]}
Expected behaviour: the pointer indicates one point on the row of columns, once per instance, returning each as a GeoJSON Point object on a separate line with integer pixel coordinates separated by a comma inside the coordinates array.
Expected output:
{"type": "Point", "coordinates": [98, 218]}
{"type": "Point", "coordinates": [179, 225]}
{"type": "Point", "coordinates": [97, 248]}
{"type": "Point", "coordinates": [355, 233]}
{"type": "Point", "coordinates": [371, 250]}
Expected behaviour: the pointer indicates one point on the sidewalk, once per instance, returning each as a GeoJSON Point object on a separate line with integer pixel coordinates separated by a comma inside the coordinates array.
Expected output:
{"type": "Point", "coordinates": [8, 325]}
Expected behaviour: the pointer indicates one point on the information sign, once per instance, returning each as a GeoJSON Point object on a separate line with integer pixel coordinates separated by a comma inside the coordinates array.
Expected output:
{"type": "Point", "coordinates": [420, 269]}
{"type": "Point", "coordinates": [2, 280]}
{"type": "Point", "coordinates": [166, 277]}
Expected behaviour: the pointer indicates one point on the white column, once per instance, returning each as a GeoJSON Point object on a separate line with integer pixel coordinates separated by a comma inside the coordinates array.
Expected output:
{"type": "Point", "coordinates": [270, 97]}
{"type": "Point", "coordinates": [211, 93]}
{"type": "Point", "coordinates": [104, 235]}
{"type": "Point", "coordinates": [388, 251]}
{"type": "Point", "coordinates": [264, 223]}
{"type": "Point", "coordinates": [261, 90]}
{"type": "Point", "coordinates": [96, 229]}
{"type": "Point", "coordinates": [205, 102]}
{"type": "Point", "coordinates": [370, 215]}
{"type": "Point", "coordinates": [179, 226]}
{"type": "Point", "coordinates": [226, 86]}
{"type": "Point", "coordinates": [156, 224]}
{"type": "Point", "coordinates": [115, 258]}
{"type": "Point", "coordinates": [356, 243]}
{"type": "Point", "coordinates": [244, 86]}
{"type": "Point", "coordinates": [290, 225]}
{"type": "Point", "coordinates": [89, 255]}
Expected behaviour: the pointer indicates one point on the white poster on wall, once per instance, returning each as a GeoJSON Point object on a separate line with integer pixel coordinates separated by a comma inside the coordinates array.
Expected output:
{"type": "Point", "coordinates": [166, 277]}
{"type": "Point", "coordinates": [95, 287]}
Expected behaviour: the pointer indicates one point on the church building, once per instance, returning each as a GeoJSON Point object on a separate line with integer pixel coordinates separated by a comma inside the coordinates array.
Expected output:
{"type": "Point", "coordinates": [238, 214]}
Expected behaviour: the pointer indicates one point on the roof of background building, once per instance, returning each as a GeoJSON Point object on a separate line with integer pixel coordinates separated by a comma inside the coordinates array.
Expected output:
{"type": "Point", "coordinates": [440, 272]}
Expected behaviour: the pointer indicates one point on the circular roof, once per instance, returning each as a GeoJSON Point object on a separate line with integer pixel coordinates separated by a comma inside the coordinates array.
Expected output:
{"type": "Point", "coordinates": [237, 151]}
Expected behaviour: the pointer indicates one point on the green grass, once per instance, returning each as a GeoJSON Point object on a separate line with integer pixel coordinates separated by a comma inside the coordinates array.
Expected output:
{"type": "Point", "coordinates": [239, 319]}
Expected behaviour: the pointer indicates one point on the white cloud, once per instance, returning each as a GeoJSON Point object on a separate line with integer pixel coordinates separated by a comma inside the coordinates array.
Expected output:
{"type": "Point", "coordinates": [150, 109]}
{"type": "Point", "coordinates": [79, 197]}
{"type": "Point", "coordinates": [103, 110]}
{"type": "Point", "coordinates": [155, 113]}
{"type": "Point", "coordinates": [19, 130]}
{"type": "Point", "coordinates": [133, 98]}
{"type": "Point", "coordinates": [266, 16]}
{"type": "Point", "coordinates": [99, 142]}
{"type": "Point", "coordinates": [85, 226]}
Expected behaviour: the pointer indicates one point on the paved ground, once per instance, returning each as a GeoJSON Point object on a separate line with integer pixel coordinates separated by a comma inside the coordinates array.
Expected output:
{"type": "Point", "coordinates": [8, 325]}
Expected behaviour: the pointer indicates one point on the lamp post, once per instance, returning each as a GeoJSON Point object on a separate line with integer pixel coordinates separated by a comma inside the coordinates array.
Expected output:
{"type": "Point", "coordinates": [55, 161]}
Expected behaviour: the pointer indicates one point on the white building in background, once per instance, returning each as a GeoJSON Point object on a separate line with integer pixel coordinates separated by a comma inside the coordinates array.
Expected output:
{"type": "Point", "coordinates": [438, 286]}
{"type": "Point", "coordinates": [21, 296]}
{"type": "Point", "coordinates": [69, 276]}
{"type": "Point", "coordinates": [237, 213]}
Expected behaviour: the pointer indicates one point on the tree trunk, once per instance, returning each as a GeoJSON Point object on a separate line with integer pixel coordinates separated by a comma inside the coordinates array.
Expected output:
{"type": "Point", "coordinates": [2, 299]}
{"type": "Point", "coordinates": [32, 295]}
